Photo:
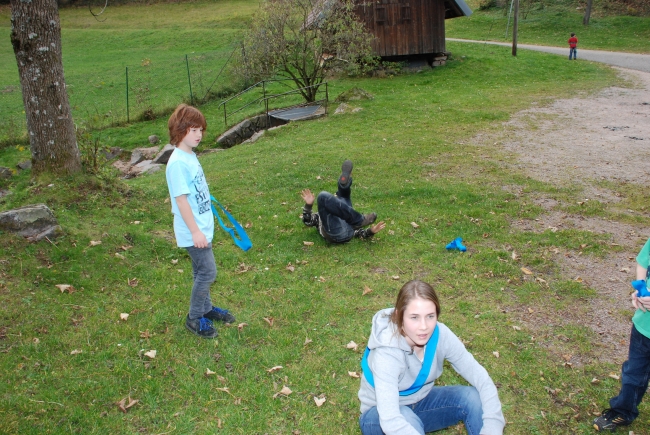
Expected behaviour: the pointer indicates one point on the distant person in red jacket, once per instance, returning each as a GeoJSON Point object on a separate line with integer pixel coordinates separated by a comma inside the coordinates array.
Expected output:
{"type": "Point", "coordinates": [573, 46]}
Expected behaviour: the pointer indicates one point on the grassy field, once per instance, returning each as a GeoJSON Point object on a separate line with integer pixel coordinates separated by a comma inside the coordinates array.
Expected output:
{"type": "Point", "coordinates": [552, 25]}
{"type": "Point", "coordinates": [68, 359]}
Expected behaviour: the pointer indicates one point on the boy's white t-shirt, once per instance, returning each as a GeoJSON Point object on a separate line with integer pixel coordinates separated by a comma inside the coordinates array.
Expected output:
{"type": "Point", "coordinates": [185, 177]}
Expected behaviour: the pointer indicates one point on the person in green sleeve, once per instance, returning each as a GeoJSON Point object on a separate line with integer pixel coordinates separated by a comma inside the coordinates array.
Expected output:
{"type": "Point", "coordinates": [636, 370]}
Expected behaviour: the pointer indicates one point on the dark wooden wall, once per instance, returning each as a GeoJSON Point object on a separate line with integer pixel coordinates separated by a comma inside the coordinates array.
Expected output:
{"type": "Point", "coordinates": [404, 27]}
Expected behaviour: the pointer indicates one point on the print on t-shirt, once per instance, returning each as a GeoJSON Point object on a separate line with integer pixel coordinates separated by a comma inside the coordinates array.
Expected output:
{"type": "Point", "coordinates": [203, 193]}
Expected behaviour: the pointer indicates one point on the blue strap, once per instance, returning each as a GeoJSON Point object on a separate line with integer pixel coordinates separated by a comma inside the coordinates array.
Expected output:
{"type": "Point", "coordinates": [429, 353]}
{"type": "Point", "coordinates": [244, 242]}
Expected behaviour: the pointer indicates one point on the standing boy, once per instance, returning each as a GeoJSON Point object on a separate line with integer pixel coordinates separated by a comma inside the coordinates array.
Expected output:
{"type": "Point", "coordinates": [636, 370]}
{"type": "Point", "coordinates": [193, 220]}
{"type": "Point", "coordinates": [336, 220]}
{"type": "Point", "coordinates": [573, 46]}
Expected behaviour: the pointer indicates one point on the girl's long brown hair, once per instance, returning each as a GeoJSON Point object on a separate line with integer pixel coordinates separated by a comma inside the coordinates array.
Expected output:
{"type": "Point", "coordinates": [412, 290]}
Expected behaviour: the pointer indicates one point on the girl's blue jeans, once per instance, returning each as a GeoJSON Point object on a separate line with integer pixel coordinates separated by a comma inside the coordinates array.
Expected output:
{"type": "Point", "coordinates": [443, 407]}
{"type": "Point", "coordinates": [204, 271]}
{"type": "Point", "coordinates": [634, 382]}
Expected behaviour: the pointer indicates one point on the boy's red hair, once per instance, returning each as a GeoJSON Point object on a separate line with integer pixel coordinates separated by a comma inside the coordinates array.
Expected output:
{"type": "Point", "coordinates": [184, 118]}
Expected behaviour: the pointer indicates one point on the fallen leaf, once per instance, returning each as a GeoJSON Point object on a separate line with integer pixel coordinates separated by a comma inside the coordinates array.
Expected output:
{"type": "Point", "coordinates": [307, 243]}
{"type": "Point", "coordinates": [526, 271]}
{"type": "Point", "coordinates": [516, 328]}
{"type": "Point", "coordinates": [133, 282]}
{"type": "Point", "coordinates": [319, 402]}
{"type": "Point", "coordinates": [530, 311]}
{"type": "Point", "coordinates": [625, 269]}
{"type": "Point", "coordinates": [414, 225]}
{"type": "Point", "coordinates": [209, 372]}
{"type": "Point", "coordinates": [126, 247]}
{"type": "Point", "coordinates": [321, 278]}
{"type": "Point", "coordinates": [151, 354]}
{"type": "Point", "coordinates": [219, 423]}
{"type": "Point", "coordinates": [595, 381]}
{"type": "Point", "coordinates": [578, 279]}
{"type": "Point", "coordinates": [145, 334]}
{"type": "Point", "coordinates": [36, 340]}
{"type": "Point", "coordinates": [179, 270]}
{"type": "Point", "coordinates": [221, 379]}
{"type": "Point", "coordinates": [274, 369]}
{"type": "Point", "coordinates": [95, 242]}
{"type": "Point", "coordinates": [65, 288]}
{"type": "Point", "coordinates": [395, 277]}
{"type": "Point", "coordinates": [290, 267]}
{"type": "Point", "coordinates": [366, 290]}
{"type": "Point", "coordinates": [614, 376]}
{"type": "Point", "coordinates": [284, 391]}
{"type": "Point", "coordinates": [240, 327]}
{"type": "Point", "coordinates": [174, 261]}
{"type": "Point", "coordinates": [515, 256]}
{"type": "Point", "coordinates": [391, 232]}
{"type": "Point", "coordinates": [225, 390]}
{"type": "Point", "coordinates": [352, 345]}
{"type": "Point", "coordinates": [496, 353]}
{"type": "Point", "coordinates": [136, 222]}
{"type": "Point", "coordinates": [243, 268]}
{"type": "Point", "coordinates": [269, 320]}
{"type": "Point", "coordinates": [307, 341]}
{"type": "Point", "coordinates": [75, 352]}
{"type": "Point", "coordinates": [538, 279]}
{"type": "Point", "coordinates": [124, 316]}
{"type": "Point", "coordinates": [318, 177]}
{"type": "Point", "coordinates": [125, 404]}
{"type": "Point", "coordinates": [248, 224]}
{"type": "Point", "coordinates": [353, 374]}
{"type": "Point", "coordinates": [120, 256]}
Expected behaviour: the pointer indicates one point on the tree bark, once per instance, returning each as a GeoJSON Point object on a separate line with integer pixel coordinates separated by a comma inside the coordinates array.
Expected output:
{"type": "Point", "coordinates": [515, 28]}
{"type": "Point", "coordinates": [36, 39]}
{"type": "Point", "coordinates": [585, 20]}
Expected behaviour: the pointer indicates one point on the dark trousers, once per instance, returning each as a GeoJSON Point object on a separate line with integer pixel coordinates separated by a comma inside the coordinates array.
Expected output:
{"type": "Point", "coordinates": [636, 372]}
{"type": "Point", "coordinates": [337, 215]}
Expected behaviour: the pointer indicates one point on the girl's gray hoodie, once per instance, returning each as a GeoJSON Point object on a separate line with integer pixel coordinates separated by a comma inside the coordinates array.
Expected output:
{"type": "Point", "coordinates": [395, 367]}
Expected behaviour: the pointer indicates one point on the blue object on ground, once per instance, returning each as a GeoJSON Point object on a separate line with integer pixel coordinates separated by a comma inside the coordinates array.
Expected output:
{"type": "Point", "coordinates": [457, 243]}
{"type": "Point", "coordinates": [641, 286]}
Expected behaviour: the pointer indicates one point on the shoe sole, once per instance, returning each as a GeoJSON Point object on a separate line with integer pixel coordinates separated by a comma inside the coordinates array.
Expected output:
{"type": "Point", "coordinates": [346, 169]}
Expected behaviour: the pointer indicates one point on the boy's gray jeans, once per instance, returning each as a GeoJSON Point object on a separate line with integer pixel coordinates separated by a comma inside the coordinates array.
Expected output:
{"type": "Point", "coordinates": [204, 271]}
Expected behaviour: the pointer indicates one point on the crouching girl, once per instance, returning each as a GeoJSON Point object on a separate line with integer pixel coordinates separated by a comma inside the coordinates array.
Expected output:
{"type": "Point", "coordinates": [405, 353]}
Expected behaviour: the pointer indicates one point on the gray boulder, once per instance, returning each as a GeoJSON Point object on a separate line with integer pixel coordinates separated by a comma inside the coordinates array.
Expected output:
{"type": "Point", "coordinates": [163, 156]}
{"type": "Point", "coordinates": [140, 154]}
{"type": "Point", "coordinates": [153, 139]}
{"type": "Point", "coordinates": [27, 164]}
{"type": "Point", "coordinates": [5, 173]}
{"type": "Point", "coordinates": [34, 222]}
{"type": "Point", "coordinates": [145, 167]}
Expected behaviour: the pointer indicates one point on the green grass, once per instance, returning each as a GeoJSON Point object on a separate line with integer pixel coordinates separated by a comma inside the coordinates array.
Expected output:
{"type": "Point", "coordinates": [411, 165]}
{"type": "Point", "coordinates": [552, 25]}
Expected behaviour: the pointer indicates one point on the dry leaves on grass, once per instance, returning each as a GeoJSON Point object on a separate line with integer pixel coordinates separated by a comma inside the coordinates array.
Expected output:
{"type": "Point", "coordinates": [175, 261]}
{"type": "Point", "coordinates": [76, 352]}
{"type": "Point", "coordinates": [95, 242]}
{"type": "Point", "coordinates": [133, 282]}
{"type": "Point", "coordinates": [496, 353]}
{"type": "Point", "coordinates": [145, 334]}
{"type": "Point", "coordinates": [120, 256]}
{"type": "Point", "coordinates": [240, 327]}
{"type": "Point", "coordinates": [353, 374]}
{"type": "Point", "coordinates": [242, 268]}
{"type": "Point", "coordinates": [65, 288]}
{"type": "Point", "coordinates": [307, 341]}
{"type": "Point", "coordinates": [352, 345]}
{"type": "Point", "coordinates": [366, 290]}
{"type": "Point", "coordinates": [269, 320]}
{"type": "Point", "coordinates": [209, 372]}
{"type": "Point", "coordinates": [290, 267]}
{"type": "Point", "coordinates": [526, 271]}
{"type": "Point", "coordinates": [126, 403]}
{"type": "Point", "coordinates": [124, 316]}
{"type": "Point", "coordinates": [225, 390]}
{"type": "Point", "coordinates": [307, 243]}
{"type": "Point", "coordinates": [150, 353]}
{"type": "Point", "coordinates": [319, 401]}
{"type": "Point", "coordinates": [414, 225]}
{"type": "Point", "coordinates": [274, 369]}
{"type": "Point", "coordinates": [395, 277]}
{"type": "Point", "coordinates": [285, 391]}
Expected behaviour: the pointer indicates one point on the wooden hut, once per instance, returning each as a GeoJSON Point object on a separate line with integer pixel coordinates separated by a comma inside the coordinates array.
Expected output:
{"type": "Point", "coordinates": [413, 28]}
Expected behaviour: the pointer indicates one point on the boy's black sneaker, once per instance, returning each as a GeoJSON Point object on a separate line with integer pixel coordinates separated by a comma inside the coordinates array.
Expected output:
{"type": "Point", "coordinates": [346, 171]}
{"type": "Point", "coordinates": [201, 327]}
{"type": "Point", "coordinates": [217, 314]}
{"type": "Point", "coordinates": [367, 220]}
{"type": "Point", "coordinates": [610, 420]}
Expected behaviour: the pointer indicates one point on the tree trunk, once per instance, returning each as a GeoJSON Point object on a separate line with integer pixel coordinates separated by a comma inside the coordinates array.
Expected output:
{"type": "Point", "coordinates": [515, 28]}
{"type": "Point", "coordinates": [36, 39]}
{"type": "Point", "coordinates": [585, 20]}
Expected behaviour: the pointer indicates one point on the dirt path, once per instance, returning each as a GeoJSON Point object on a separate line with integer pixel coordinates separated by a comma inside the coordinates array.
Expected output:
{"type": "Point", "coordinates": [589, 142]}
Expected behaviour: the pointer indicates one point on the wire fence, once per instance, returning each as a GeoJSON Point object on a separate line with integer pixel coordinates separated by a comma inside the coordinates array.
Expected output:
{"type": "Point", "coordinates": [139, 92]}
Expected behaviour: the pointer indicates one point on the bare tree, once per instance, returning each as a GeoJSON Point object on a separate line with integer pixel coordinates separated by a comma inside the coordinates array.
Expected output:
{"type": "Point", "coordinates": [304, 40]}
{"type": "Point", "coordinates": [36, 39]}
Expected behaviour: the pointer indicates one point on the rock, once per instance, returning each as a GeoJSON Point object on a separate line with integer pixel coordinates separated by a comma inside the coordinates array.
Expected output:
{"type": "Point", "coordinates": [357, 109]}
{"type": "Point", "coordinates": [5, 173]}
{"type": "Point", "coordinates": [145, 167]}
{"type": "Point", "coordinates": [163, 156]}
{"type": "Point", "coordinates": [35, 222]}
{"type": "Point", "coordinates": [255, 136]}
{"type": "Point", "coordinates": [27, 164]}
{"type": "Point", "coordinates": [243, 131]}
{"type": "Point", "coordinates": [121, 166]}
{"type": "Point", "coordinates": [112, 152]}
{"type": "Point", "coordinates": [153, 139]}
{"type": "Point", "coordinates": [354, 94]}
{"type": "Point", "coordinates": [140, 154]}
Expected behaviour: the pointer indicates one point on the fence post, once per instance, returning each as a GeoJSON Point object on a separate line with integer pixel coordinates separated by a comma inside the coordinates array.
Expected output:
{"type": "Point", "coordinates": [127, 95]}
{"type": "Point", "coordinates": [189, 80]}
{"type": "Point", "coordinates": [327, 98]}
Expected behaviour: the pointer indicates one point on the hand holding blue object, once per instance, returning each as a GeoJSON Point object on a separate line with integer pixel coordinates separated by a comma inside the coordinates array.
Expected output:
{"type": "Point", "coordinates": [641, 287]}
{"type": "Point", "coordinates": [457, 244]}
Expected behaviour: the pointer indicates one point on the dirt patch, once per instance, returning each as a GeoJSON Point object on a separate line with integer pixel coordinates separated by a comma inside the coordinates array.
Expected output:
{"type": "Point", "coordinates": [585, 141]}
